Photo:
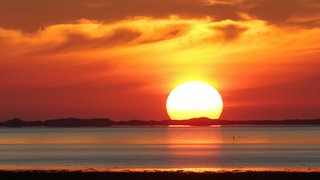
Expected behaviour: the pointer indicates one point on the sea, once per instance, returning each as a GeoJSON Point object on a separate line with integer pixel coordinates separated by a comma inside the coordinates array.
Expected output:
{"type": "Point", "coordinates": [161, 147]}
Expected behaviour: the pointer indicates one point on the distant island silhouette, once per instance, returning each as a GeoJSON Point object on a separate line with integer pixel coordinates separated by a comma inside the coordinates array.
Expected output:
{"type": "Point", "coordinates": [103, 122]}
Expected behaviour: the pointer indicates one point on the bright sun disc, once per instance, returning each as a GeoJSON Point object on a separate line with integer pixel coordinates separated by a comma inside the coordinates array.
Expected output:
{"type": "Point", "coordinates": [194, 99]}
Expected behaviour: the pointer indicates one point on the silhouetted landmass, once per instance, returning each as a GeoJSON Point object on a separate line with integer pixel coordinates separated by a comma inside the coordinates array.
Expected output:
{"type": "Point", "coordinates": [75, 122]}
{"type": "Point", "coordinates": [16, 122]}
{"type": "Point", "coordinates": [64, 122]}
{"type": "Point", "coordinates": [157, 175]}
{"type": "Point", "coordinates": [210, 122]}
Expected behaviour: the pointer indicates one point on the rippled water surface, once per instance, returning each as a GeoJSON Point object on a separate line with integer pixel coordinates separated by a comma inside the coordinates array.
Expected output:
{"type": "Point", "coordinates": [161, 147]}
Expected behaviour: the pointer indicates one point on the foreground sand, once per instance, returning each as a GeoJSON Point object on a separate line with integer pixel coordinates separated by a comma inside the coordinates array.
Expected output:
{"type": "Point", "coordinates": [154, 175]}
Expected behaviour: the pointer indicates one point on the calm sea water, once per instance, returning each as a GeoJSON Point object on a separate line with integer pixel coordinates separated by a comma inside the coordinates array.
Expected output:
{"type": "Point", "coordinates": [161, 147]}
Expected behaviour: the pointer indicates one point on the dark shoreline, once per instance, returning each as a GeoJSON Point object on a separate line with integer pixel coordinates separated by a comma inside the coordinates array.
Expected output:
{"type": "Point", "coordinates": [154, 175]}
{"type": "Point", "coordinates": [103, 122]}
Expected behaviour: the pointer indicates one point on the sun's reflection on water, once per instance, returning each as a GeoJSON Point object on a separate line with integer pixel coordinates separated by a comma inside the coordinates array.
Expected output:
{"type": "Point", "coordinates": [191, 147]}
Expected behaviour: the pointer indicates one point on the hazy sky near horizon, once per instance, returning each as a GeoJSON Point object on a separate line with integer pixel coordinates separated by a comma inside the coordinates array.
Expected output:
{"type": "Point", "coordinates": [120, 59]}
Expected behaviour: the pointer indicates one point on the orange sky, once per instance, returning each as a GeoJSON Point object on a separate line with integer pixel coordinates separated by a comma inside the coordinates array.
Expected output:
{"type": "Point", "coordinates": [119, 59]}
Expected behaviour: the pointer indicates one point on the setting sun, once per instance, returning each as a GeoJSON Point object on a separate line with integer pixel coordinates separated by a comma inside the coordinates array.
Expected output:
{"type": "Point", "coordinates": [194, 99]}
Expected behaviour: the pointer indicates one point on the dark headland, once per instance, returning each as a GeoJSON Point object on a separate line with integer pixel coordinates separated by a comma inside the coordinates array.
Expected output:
{"type": "Point", "coordinates": [102, 122]}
